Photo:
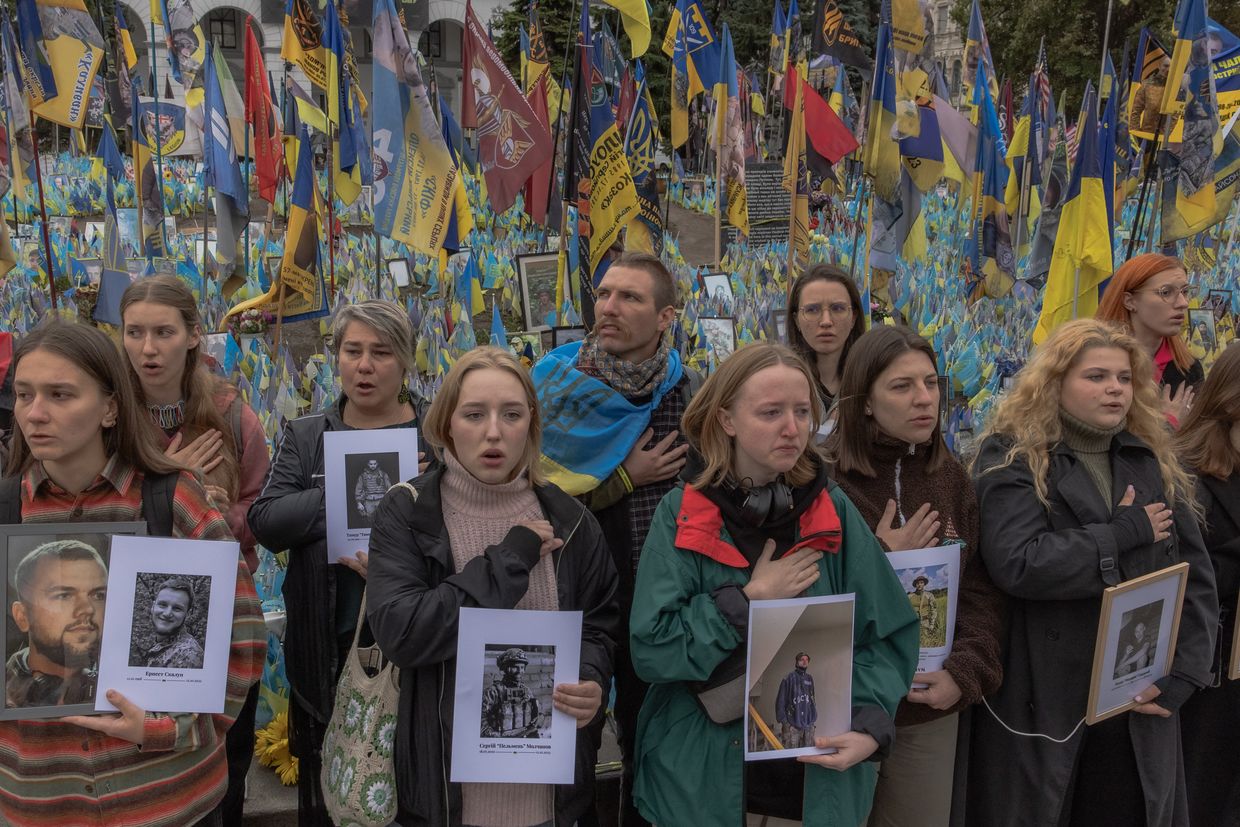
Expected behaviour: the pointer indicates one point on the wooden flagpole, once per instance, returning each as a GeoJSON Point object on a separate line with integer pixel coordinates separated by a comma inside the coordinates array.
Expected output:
{"type": "Point", "coordinates": [47, 238]}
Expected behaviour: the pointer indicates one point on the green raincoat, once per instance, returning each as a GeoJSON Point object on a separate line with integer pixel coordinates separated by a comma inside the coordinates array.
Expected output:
{"type": "Point", "coordinates": [689, 770]}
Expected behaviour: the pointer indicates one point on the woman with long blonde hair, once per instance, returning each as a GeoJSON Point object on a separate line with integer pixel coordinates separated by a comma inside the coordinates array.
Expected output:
{"type": "Point", "coordinates": [759, 519]}
{"type": "Point", "coordinates": [1208, 443]}
{"type": "Point", "coordinates": [1079, 490]}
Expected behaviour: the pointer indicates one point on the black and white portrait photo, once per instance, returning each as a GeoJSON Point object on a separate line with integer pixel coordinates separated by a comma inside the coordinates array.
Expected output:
{"type": "Point", "coordinates": [169, 620]}
{"type": "Point", "coordinates": [516, 700]}
{"type": "Point", "coordinates": [369, 477]}
{"type": "Point", "coordinates": [1138, 639]}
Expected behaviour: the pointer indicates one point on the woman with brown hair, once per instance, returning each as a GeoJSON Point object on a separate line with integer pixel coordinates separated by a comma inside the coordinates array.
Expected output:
{"type": "Point", "coordinates": [759, 519]}
{"type": "Point", "coordinates": [1148, 297]}
{"type": "Point", "coordinates": [1208, 443]}
{"type": "Point", "coordinates": [84, 452]}
{"type": "Point", "coordinates": [202, 423]}
{"type": "Point", "coordinates": [825, 318]}
{"type": "Point", "coordinates": [1078, 490]}
{"type": "Point", "coordinates": [888, 455]}
{"type": "Point", "coordinates": [485, 530]}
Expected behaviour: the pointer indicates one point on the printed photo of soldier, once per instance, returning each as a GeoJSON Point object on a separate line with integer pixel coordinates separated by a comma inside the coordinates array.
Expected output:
{"type": "Point", "coordinates": [517, 700]}
{"type": "Point", "coordinates": [370, 476]}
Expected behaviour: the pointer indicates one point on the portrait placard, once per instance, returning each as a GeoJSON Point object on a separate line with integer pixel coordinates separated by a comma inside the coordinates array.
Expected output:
{"type": "Point", "coordinates": [1137, 630]}
{"type": "Point", "coordinates": [717, 293]}
{"type": "Point", "coordinates": [168, 626]}
{"type": "Point", "coordinates": [538, 274]}
{"type": "Point", "coordinates": [1233, 670]}
{"type": "Point", "coordinates": [56, 591]}
{"type": "Point", "coordinates": [720, 334]}
{"type": "Point", "coordinates": [359, 468]}
{"type": "Point", "coordinates": [398, 268]}
{"type": "Point", "coordinates": [505, 728]}
{"type": "Point", "coordinates": [564, 335]}
{"type": "Point", "coordinates": [798, 675]}
{"type": "Point", "coordinates": [931, 579]}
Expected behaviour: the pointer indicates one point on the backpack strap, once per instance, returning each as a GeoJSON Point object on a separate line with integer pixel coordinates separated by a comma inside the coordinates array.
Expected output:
{"type": "Point", "coordinates": [10, 500]}
{"type": "Point", "coordinates": [158, 492]}
{"type": "Point", "coordinates": [234, 422]}
{"type": "Point", "coordinates": [690, 388]}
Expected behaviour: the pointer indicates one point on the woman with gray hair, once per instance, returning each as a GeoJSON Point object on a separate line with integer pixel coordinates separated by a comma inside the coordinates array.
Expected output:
{"type": "Point", "coordinates": [374, 347]}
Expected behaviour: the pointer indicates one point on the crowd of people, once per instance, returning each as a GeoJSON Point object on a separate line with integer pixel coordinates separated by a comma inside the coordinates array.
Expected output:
{"type": "Point", "coordinates": [792, 470]}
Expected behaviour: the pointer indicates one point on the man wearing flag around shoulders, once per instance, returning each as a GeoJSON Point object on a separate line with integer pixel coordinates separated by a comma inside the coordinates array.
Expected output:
{"type": "Point", "coordinates": [611, 407]}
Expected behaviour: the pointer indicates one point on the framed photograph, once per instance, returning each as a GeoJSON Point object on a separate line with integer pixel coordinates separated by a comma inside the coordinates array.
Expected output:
{"type": "Point", "coordinates": [564, 335]}
{"type": "Point", "coordinates": [717, 291]}
{"type": "Point", "coordinates": [720, 333]}
{"type": "Point", "coordinates": [56, 591]}
{"type": "Point", "coordinates": [505, 728]}
{"type": "Point", "coordinates": [137, 268]}
{"type": "Point", "coordinates": [359, 468]}
{"type": "Point", "coordinates": [538, 273]}
{"type": "Point", "coordinates": [398, 269]}
{"type": "Point", "coordinates": [1136, 639]}
{"type": "Point", "coordinates": [1220, 302]}
{"type": "Point", "coordinates": [86, 270]}
{"type": "Point", "coordinates": [169, 623]}
{"type": "Point", "coordinates": [1233, 669]}
{"type": "Point", "coordinates": [931, 579]}
{"type": "Point", "coordinates": [1201, 329]}
{"type": "Point", "coordinates": [798, 675]}
{"type": "Point", "coordinates": [781, 327]}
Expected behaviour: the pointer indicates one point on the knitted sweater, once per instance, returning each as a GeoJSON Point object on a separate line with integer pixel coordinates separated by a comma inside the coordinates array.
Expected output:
{"type": "Point", "coordinates": [477, 515]}
{"type": "Point", "coordinates": [902, 475]}
{"type": "Point", "coordinates": [1093, 448]}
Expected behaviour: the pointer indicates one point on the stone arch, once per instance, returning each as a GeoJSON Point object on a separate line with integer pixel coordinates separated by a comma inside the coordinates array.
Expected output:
{"type": "Point", "coordinates": [446, 10]}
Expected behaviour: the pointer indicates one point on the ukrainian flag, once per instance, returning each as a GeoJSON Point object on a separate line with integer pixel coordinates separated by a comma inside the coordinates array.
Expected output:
{"type": "Point", "coordinates": [342, 111]}
{"type": "Point", "coordinates": [303, 41]}
{"type": "Point", "coordinates": [881, 152]}
{"type": "Point", "coordinates": [1024, 172]}
{"type": "Point", "coordinates": [977, 53]}
{"type": "Point", "coordinates": [691, 44]}
{"type": "Point", "coordinates": [990, 244]}
{"type": "Point", "coordinates": [1082, 258]}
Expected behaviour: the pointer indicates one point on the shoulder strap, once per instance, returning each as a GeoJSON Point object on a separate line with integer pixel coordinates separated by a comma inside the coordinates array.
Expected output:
{"type": "Point", "coordinates": [10, 500]}
{"type": "Point", "coordinates": [691, 387]}
{"type": "Point", "coordinates": [158, 492]}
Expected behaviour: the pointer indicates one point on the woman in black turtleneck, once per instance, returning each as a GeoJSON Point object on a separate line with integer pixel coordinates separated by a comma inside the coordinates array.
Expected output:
{"type": "Point", "coordinates": [888, 455]}
{"type": "Point", "coordinates": [1079, 490]}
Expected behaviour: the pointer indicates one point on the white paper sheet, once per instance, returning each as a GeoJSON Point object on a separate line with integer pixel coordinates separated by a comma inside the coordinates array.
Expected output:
{"type": "Point", "coordinates": [359, 467]}
{"type": "Point", "coordinates": [504, 727]}
{"type": "Point", "coordinates": [783, 696]}
{"type": "Point", "coordinates": [936, 603]}
{"type": "Point", "coordinates": [186, 668]}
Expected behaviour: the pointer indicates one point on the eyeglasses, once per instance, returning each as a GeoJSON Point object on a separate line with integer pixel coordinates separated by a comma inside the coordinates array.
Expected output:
{"type": "Point", "coordinates": [1168, 292]}
{"type": "Point", "coordinates": [813, 312]}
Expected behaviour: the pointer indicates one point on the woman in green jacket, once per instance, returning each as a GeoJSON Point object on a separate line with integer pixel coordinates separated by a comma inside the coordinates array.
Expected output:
{"type": "Point", "coordinates": [760, 520]}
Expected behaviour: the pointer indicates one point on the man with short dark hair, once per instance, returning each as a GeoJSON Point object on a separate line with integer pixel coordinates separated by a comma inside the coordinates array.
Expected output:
{"type": "Point", "coordinates": [174, 646]}
{"type": "Point", "coordinates": [611, 408]}
{"type": "Point", "coordinates": [61, 589]}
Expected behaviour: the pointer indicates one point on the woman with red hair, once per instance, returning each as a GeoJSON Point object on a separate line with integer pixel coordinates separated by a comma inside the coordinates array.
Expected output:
{"type": "Point", "coordinates": [1148, 295]}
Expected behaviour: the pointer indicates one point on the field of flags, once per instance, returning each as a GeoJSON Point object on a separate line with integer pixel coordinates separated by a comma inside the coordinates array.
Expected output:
{"type": "Point", "coordinates": [983, 225]}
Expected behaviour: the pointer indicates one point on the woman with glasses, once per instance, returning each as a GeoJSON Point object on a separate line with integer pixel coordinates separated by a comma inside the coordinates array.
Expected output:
{"type": "Point", "coordinates": [824, 319]}
{"type": "Point", "coordinates": [1148, 295]}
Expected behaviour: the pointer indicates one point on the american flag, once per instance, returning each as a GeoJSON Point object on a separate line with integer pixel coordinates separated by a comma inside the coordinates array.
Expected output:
{"type": "Point", "coordinates": [1073, 143]}
{"type": "Point", "coordinates": [1043, 80]}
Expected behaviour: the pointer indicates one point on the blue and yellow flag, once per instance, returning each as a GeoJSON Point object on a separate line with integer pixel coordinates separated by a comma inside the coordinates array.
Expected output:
{"type": "Point", "coordinates": [187, 47]}
{"type": "Point", "coordinates": [75, 53]}
{"type": "Point", "coordinates": [992, 263]}
{"type": "Point", "coordinates": [1189, 202]}
{"type": "Point", "coordinates": [303, 41]}
{"type": "Point", "coordinates": [149, 134]}
{"type": "Point", "coordinates": [977, 53]}
{"type": "Point", "coordinates": [1024, 171]}
{"type": "Point", "coordinates": [778, 27]}
{"type": "Point", "coordinates": [34, 66]}
{"type": "Point", "coordinates": [635, 15]}
{"type": "Point", "coordinates": [881, 154]}
{"type": "Point", "coordinates": [729, 137]}
{"type": "Point", "coordinates": [641, 138]}
{"type": "Point", "coordinates": [796, 183]}
{"type": "Point", "coordinates": [349, 159]}
{"type": "Point", "coordinates": [695, 52]}
{"type": "Point", "coordinates": [1082, 259]}
{"type": "Point", "coordinates": [415, 176]}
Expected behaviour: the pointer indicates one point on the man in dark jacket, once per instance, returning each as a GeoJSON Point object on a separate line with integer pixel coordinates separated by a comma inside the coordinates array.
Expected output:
{"type": "Point", "coordinates": [795, 707]}
{"type": "Point", "coordinates": [628, 350]}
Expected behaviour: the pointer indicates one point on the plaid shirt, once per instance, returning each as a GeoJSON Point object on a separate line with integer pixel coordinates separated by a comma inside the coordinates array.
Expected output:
{"type": "Point", "coordinates": [645, 499]}
{"type": "Point", "coordinates": [52, 773]}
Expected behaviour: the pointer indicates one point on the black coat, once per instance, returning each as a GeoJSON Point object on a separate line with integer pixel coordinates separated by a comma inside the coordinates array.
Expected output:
{"type": "Point", "coordinates": [413, 601]}
{"type": "Point", "coordinates": [1212, 716]}
{"type": "Point", "coordinates": [290, 514]}
{"type": "Point", "coordinates": [1054, 566]}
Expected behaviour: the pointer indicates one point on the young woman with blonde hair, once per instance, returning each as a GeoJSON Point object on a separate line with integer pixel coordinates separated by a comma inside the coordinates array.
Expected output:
{"type": "Point", "coordinates": [1148, 296]}
{"type": "Point", "coordinates": [1208, 443]}
{"type": "Point", "coordinates": [1079, 489]}
{"type": "Point", "coordinates": [485, 530]}
{"type": "Point", "coordinates": [758, 520]}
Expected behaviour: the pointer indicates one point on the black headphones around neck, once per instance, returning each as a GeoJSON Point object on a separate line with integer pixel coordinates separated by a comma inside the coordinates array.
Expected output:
{"type": "Point", "coordinates": [761, 503]}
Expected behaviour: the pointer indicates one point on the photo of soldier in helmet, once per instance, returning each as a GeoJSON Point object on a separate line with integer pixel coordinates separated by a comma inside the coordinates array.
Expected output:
{"type": "Point", "coordinates": [517, 703]}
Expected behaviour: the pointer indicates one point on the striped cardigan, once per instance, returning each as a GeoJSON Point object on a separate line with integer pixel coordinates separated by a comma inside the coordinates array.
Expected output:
{"type": "Point", "coordinates": [52, 773]}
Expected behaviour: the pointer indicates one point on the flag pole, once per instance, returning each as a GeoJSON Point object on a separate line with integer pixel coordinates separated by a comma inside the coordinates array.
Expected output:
{"type": "Point", "coordinates": [159, 142]}
{"type": "Point", "coordinates": [331, 200]}
{"type": "Point", "coordinates": [47, 238]}
{"type": "Point", "coordinates": [856, 229]}
{"type": "Point", "coordinates": [555, 139]}
{"type": "Point", "coordinates": [1151, 165]}
{"type": "Point", "coordinates": [1102, 70]}
{"type": "Point", "coordinates": [719, 126]}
